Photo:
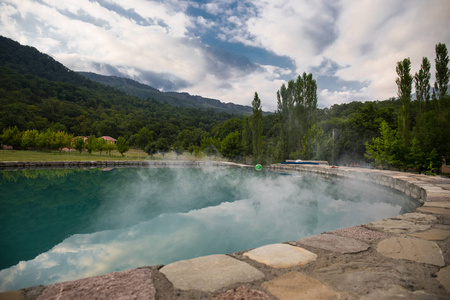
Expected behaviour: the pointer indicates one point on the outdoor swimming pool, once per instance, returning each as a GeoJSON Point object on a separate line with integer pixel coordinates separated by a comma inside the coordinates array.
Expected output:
{"type": "Point", "coordinates": [64, 224]}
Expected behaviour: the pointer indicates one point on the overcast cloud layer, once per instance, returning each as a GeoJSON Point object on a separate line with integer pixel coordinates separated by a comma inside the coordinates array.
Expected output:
{"type": "Point", "coordinates": [228, 49]}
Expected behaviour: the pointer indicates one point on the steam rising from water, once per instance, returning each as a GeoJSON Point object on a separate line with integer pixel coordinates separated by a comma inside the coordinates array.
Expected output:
{"type": "Point", "coordinates": [157, 216]}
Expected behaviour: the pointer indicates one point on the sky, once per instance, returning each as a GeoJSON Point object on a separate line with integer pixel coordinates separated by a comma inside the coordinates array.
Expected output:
{"type": "Point", "coordinates": [230, 49]}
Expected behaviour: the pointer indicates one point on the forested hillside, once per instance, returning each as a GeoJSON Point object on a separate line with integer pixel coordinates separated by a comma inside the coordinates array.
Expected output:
{"type": "Point", "coordinates": [37, 92]}
{"type": "Point", "coordinates": [143, 91]}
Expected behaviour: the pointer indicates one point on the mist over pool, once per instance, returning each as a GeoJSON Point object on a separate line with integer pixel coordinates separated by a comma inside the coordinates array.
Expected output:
{"type": "Point", "coordinates": [59, 225]}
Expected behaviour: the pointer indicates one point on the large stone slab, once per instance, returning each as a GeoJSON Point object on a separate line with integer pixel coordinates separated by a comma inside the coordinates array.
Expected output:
{"type": "Point", "coordinates": [437, 204]}
{"type": "Point", "coordinates": [130, 284]}
{"type": "Point", "coordinates": [398, 292]}
{"type": "Point", "coordinates": [435, 210]}
{"type": "Point", "coordinates": [417, 218]}
{"type": "Point", "coordinates": [360, 233]}
{"type": "Point", "coordinates": [295, 285]}
{"type": "Point", "coordinates": [438, 197]}
{"type": "Point", "coordinates": [417, 250]}
{"type": "Point", "coordinates": [281, 255]}
{"type": "Point", "coordinates": [361, 276]}
{"type": "Point", "coordinates": [443, 276]}
{"type": "Point", "coordinates": [397, 226]}
{"type": "Point", "coordinates": [335, 243]}
{"type": "Point", "coordinates": [209, 273]}
{"type": "Point", "coordinates": [432, 234]}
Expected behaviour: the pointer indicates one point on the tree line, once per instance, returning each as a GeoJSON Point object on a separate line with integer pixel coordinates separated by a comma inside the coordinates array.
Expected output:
{"type": "Point", "coordinates": [395, 133]}
{"type": "Point", "coordinates": [423, 140]}
{"type": "Point", "coordinates": [59, 140]}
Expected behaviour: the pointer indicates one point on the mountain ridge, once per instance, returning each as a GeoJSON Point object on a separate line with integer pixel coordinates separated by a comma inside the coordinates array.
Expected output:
{"type": "Point", "coordinates": [183, 99]}
{"type": "Point", "coordinates": [29, 60]}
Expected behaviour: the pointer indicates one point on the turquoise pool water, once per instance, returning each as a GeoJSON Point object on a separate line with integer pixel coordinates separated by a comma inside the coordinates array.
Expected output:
{"type": "Point", "coordinates": [64, 224]}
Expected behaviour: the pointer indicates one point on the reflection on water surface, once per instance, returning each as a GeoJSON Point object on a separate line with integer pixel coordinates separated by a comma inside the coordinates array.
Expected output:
{"type": "Point", "coordinates": [59, 225]}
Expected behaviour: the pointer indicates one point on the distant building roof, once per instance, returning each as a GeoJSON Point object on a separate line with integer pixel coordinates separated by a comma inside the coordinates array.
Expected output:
{"type": "Point", "coordinates": [108, 138]}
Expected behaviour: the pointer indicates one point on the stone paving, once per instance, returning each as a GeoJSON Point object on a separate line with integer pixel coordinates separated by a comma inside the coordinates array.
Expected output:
{"type": "Point", "coordinates": [281, 255]}
{"type": "Point", "coordinates": [405, 257]}
{"type": "Point", "coordinates": [209, 273]}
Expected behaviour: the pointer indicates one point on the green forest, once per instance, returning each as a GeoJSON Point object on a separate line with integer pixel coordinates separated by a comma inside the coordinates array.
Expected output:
{"type": "Point", "coordinates": [46, 106]}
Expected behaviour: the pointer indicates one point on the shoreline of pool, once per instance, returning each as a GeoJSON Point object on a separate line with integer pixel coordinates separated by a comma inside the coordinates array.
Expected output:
{"type": "Point", "coordinates": [408, 255]}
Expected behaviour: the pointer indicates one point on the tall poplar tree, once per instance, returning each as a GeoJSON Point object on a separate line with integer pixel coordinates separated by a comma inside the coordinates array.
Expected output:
{"type": "Point", "coordinates": [404, 82]}
{"type": "Point", "coordinates": [246, 136]}
{"type": "Point", "coordinates": [297, 109]}
{"type": "Point", "coordinates": [422, 85]}
{"type": "Point", "coordinates": [283, 111]}
{"type": "Point", "coordinates": [256, 128]}
{"type": "Point", "coordinates": [442, 76]}
{"type": "Point", "coordinates": [310, 99]}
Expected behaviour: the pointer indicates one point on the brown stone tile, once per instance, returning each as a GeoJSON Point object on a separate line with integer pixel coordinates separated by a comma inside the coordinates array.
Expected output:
{"type": "Point", "coordinates": [417, 250]}
{"type": "Point", "coordinates": [432, 234]}
{"type": "Point", "coordinates": [295, 285]}
{"type": "Point", "coordinates": [13, 295]}
{"type": "Point", "coordinates": [209, 273]}
{"type": "Point", "coordinates": [435, 210]}
{"type": "Point", "coordinates": [444, 277]}
{"type": "Point", "coordinates": [281, 255]}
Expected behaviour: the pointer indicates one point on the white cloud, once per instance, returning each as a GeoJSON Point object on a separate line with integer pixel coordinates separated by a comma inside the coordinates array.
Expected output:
{"type": "Point", "coordinates": [366, 38]}
{"type": "Point", "coordinates": [213, 8]}
{"type": "Point", "coordinates": [240, 88]}
{"type": "Point", "coordinates": [204, 23]}
{"type": "Point", "coordinates": [328, 98]}
{"type": "Point", "coordinates": [374, 36]}
{"type": "Point", "coordinates": [292, 28]}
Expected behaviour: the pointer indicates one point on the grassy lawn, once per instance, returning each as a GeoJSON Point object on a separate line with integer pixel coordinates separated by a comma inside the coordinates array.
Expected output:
{"type": "Point", "coordinates": [31, 155]}
{"type": "Point", "coordinates": [132, 154]}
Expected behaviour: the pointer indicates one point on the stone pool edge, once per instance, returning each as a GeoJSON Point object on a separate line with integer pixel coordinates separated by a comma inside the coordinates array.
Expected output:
{"type": "Point", "coordinates": [10, 165]}
{"type": "Point", "coordinates": [382, 251]}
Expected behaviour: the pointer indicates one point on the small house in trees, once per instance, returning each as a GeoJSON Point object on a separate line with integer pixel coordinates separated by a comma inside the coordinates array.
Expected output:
{"type": "Point", "coordinates": [109, 139]}
{"type": "Point", "coordinates": [445, 168]}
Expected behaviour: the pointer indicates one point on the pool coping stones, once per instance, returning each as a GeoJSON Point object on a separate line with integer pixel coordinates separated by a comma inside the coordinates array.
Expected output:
{"type": "Point", "coordinates": [281, 255]}
{"type": "Point", "coordinates": [209, 273]}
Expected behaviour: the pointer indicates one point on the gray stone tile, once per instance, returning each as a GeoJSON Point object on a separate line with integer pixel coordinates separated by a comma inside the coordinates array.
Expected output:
{"type": "Point", "coordinates": [335, 243]}
{"type": "Point", "coordinates": [397, 226]}
{"type": "Point", "coordinates": [209, 273]}
{"type": "Point", "coordinates": [398, 292]}
{"type": "Point", "coordinates": [361, 276]}
{"type": "Point", "coordinates": [360, 233]}
{"type": "Point", "coordinates": [242, 293]}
